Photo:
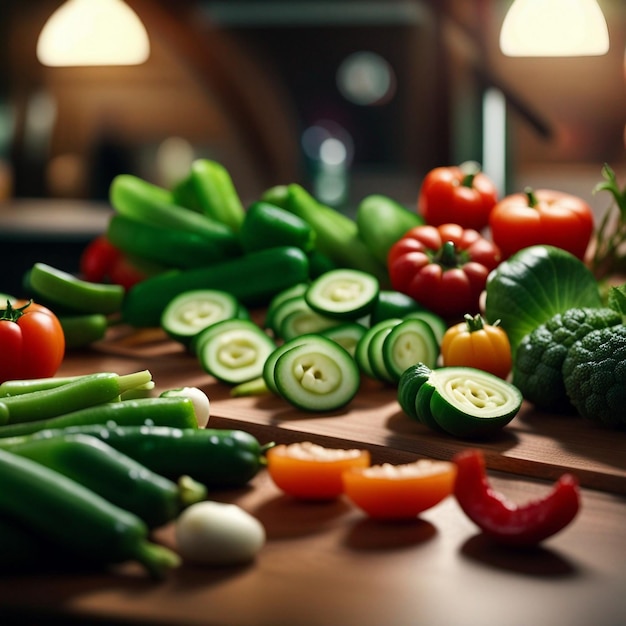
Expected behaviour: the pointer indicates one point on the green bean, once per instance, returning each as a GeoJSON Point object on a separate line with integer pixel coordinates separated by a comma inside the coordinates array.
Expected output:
{"type": "Point", "coordinates": [83, 392]}
{"type": "Point", "coordinates": [175, 412]}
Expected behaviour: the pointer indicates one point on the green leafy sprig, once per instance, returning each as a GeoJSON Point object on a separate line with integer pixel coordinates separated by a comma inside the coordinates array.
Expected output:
{"type": "Point", "coordinates": [609, 256]}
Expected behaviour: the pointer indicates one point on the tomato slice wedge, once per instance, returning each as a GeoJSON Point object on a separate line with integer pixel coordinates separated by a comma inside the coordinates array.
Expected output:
{"type": "Point", "coordinates": [399, 492]}
{"type": "Point", "coordinates": [310, 471]}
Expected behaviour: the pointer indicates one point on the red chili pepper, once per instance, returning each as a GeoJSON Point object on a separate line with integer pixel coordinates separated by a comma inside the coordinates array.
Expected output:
{"type": "Point", "coordinates": [504, 521]}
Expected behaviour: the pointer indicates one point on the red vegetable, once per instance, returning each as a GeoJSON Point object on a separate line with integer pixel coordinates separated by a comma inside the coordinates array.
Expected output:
{"type": "Point", "coordinates": [504, 521]}
{"type": "Point", "coordinates": [312, 472]}
{"type": "Point", "coordinates": [32, 343]}
{"type": "Point", "coordinates": [541, 217]}
{"type": "Point", "coordinates": [399, 492]}
{"type": "Point", "coordinates": [444, 269]}
{"type": "Point", "coordinates": [457, 195]}
{"type": "Point", "coordinates": [102, 262]}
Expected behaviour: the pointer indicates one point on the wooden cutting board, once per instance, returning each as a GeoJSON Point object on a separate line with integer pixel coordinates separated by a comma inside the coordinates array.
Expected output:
{"type": "Point", "coordinates": [534, 444]}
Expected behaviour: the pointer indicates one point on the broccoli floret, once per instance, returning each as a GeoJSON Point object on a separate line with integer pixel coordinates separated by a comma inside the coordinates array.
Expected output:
{"type": "Point", "coordinates": [537, 370]}
{"type": "Point", "coordinates": [594, 373]}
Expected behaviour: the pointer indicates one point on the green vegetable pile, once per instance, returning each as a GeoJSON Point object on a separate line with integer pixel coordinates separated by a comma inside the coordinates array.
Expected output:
{"type": "Point", "coordinates": [92, 464]}
{"type": "Point", "coordinates": [540, 355]}
{"type": "Point", "coordinates": [566, 341]}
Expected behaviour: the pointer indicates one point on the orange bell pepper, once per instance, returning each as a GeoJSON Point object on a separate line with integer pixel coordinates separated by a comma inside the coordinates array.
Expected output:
{"type": "Point", "coordinates": [473, 343]}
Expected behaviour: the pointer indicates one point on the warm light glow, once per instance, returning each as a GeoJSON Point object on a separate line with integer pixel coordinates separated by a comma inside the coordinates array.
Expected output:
{"type": "Point", "coordinates": [93, 32]}
{"type": "Point", "coordinates": [554, 28]}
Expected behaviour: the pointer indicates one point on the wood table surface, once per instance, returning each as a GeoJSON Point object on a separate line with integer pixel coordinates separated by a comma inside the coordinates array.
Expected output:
{"type": "Point", "coordinates": [326, 564]}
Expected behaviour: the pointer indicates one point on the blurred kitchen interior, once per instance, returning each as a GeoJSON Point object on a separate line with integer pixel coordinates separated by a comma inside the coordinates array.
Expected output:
{"type": "Point", "coordinates": [397, 86]}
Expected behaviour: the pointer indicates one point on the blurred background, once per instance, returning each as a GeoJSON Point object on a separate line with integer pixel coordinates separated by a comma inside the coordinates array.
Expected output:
{"type": "Point", "coordinates": [347, 97]}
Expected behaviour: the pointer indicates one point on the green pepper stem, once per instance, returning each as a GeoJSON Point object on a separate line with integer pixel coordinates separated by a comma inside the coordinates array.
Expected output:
{"type": "Point", "coordinates": [446, 255]}
{"type": "Point", "coordinates": [134, 380]}
{"type": "Point", "coordinates": [474, 322]}
{"type": "Point", "coordinates": [157, 559]}
{"type": "Point", "coordinates": [190, 491]}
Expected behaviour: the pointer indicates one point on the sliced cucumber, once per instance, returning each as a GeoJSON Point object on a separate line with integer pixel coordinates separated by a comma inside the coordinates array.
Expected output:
{"type": "Point", "coordinates": [270, 362]}
{"type": "Point", "coordinates": [286, 308]}
{"type": "Point", "coordinates": [343, 293]}
{"type": "Point", "coordinates": [436, 323]}
{"type": "Point", "coordinates": [317, 375]}
{"type": "Point", "coordinates": [463, 401]}
{"type": "Point", "coordinates": [412, 341]}
{"type": "Point", "coordinates": [375, 354]}
{"type": "Point", "coordinates": [305, 322]}
{"type": "Point", "coordinates": [192, 311]}
{"type": "Point", "coordinates": [295, 290]}
{"type": "Point", "coordinates": [346, 334]}
{"type": "Point", "coordinates": [234, 351]}
{"type": "Point", "coordinates": [362, 353]}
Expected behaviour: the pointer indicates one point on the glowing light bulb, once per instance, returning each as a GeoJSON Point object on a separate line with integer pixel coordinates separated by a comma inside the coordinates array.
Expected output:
{"type": "Point", "coordinates": [93, 32]}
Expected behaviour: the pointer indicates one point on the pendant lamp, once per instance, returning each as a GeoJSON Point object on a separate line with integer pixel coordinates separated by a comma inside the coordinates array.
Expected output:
{"type": "Point", "coordinates": [550, 28]}
{"type": "Point", "coordinates": [93, 32]}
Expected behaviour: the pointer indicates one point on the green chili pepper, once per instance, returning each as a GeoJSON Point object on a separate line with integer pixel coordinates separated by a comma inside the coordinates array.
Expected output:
{"type": "Point", "coordinates": [184, 194]}
{"type": "Point", "coordinates": [170, 246]}
{"type": "Point", "coordinates": [173, 411]}
{"type": "Point", "coordinates": [269, 226]}
{"type": "Point", "coordinates": [83, 392]}
{"type": "Point", "coordinates": [253, 279]}
{"type": "Point", "coordinates": [83, 330]}
{"type": "Point", "coordinates": [56, 286]}
{"type": "Point", "coordinates": [337, 235]}
{"type": "Point", "coordinates": [115, 476]}
{"type": "Point", "coordinates": [381, 221]}
{"type": "Point", "coordinates": [140, 200]}
{"type": "Point", "coordinates": [216, 193]}
{"type": "Point", "coordinates": [218, 458]}
{"type": "Point", "coordinates": [277, 195]}
{"type": "Point", "coordinates": [58, 508]}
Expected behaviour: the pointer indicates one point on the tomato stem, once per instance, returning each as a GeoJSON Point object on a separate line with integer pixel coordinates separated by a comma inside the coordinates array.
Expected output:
{"type": "Point", "coordinates": [532, 198]}
{"type": "Point", "coordinates": [469, 169]}
{"type": "Point", "coordinates": [12, 314]}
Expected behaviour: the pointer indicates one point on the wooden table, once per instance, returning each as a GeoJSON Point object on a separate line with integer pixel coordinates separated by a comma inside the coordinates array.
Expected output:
{"type": "Point", "coordinates": [326, 564]}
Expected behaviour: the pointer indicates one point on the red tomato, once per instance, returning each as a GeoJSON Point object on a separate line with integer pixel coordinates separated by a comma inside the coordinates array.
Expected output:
{"type": "Point", "coordinates": [445, 269]}
{"type": "Point", "coordinates": [400, 492]}
{"type": "Point", "coordinates": [32, 342]}
{"type": "Point", "coordinates": [457, 195]}
{"type": "Point", "coordinates": [541, 217]}
{"type": "Point", "coordinates": [312, 472]}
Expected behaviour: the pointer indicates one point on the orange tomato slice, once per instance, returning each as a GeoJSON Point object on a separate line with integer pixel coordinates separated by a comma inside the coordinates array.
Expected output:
{"type": "Point", "coordinates": [399, 492]}
{"type": "Point", "coordinates": [310, 471]}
